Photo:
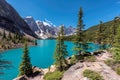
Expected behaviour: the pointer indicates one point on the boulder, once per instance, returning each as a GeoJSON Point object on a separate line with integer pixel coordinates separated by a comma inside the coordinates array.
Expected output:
{"type": "Point", "coordinates": [85, 78]}
{"type": "Point", "coordinates": [78, 66]}
{"type": "Point", "coordinates": [24, 77]}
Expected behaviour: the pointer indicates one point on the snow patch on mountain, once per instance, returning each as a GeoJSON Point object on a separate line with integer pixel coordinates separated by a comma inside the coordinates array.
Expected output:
{"type": "Point", "coordinates": [45, 29]}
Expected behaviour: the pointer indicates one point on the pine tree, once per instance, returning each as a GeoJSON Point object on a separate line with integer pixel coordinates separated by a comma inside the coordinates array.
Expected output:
{"type": "Point", "coordinates": [101, 36]}
{"type": "Point", "coordinates": [9, 36]}
{"type": "Point", "coordinates": [25, 65]}
{"type": "Point", "coordinates": [114, 30]}
{"type": "Point", "coordinates": [4, 34]}
{"type": "Point", "coordinates": [63, 46]}
{"type": "Point", "coordinates": [99, 33]}
{"type": "Point", "coordinates": [57, 53]}
{"type": "Point", "coordinates": [79, 38]}
{"type": "Point", "coordinates": [60, 52]}
{"type": "Point", "coordinates": [35, 42]}
{"type": "Point", "coordinates": [109, 36]}
{"type": "Point", "coordinates": [116, 47]}
{"type": "Point", "coordinates": [80, 26]}
{"type": "Point", "coordinates": [0, 33]}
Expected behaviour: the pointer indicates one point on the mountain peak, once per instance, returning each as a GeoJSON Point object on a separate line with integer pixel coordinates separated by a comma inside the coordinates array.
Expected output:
{"type": "Point", "coordinates": [45, 29]}
{"type": "Point", "coordinates": [29, 17]}
{"type": "Point", "coordinates": [47, 22]}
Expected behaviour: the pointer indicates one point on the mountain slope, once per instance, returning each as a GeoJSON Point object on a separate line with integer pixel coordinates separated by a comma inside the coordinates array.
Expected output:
{"type": "Point", "coordinates": [11, 21]}
{"type": "Point", "coordinates": [46, 29]}
{"type": "Point", "coordinates": [32, 24]}
{"type": "Point", "coordinates": [91, 32]}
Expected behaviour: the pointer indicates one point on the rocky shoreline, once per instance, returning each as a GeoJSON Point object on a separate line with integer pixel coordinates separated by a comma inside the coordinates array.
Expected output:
{"type": "Point", "coordinates": [39, 75]}
{"type": "Point", "coordinates": [15, 46]}
{"type": "Point", "coordinates": [75, 72]}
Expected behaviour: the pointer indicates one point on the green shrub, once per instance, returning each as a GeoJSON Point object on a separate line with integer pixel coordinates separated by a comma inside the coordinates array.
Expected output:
{"type": "Point", "coordinates": [115, 65]}
{"type": "Point", "coordinates": [73, 60]}
{"type": "Point", "coordinates": [92, 75]}
{"type": "Point", "coordinates": [90, 58]}
{"type": "Point", "coordinates": [109, 62]}
{"type": "Point", "coordinates": [57, 75]}
{"type": "Point", "coordinates": [118, 70]}
{"type": "Point", "coordinates": [116, 53]}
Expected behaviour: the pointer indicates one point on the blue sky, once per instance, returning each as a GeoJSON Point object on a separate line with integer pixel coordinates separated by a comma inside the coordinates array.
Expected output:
{"type": "Point", "coordinates": [66, 11]}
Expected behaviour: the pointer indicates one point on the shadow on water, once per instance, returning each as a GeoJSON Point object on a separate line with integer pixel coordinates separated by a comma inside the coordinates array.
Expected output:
{"type": "Point", "coordinates": [4, 64]}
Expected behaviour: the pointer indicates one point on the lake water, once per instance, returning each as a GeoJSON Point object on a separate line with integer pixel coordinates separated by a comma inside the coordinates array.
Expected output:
{"type": "Point", "coordinates": [41, 56]}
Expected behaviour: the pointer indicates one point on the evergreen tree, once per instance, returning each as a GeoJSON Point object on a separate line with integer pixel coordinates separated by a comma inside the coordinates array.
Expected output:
{"type": "Point", "coordinates": [17, 36]}
{"type": "Point", "coordinates": [101, 36]}
{"type": "Point", "coordinates": [116, 47]}
{"type": "Point", "coordinates": [60, 52]}
{"type": "Point", "coordinates": [80, 26]}
{"type": "Point", "coordinates": [116, 44]}
{"type": "Point", "coordinates": [0, 33]}
{"type": "Point", "coordinates": [9, 36]}
{"type": "Point", "coordinates": [63, 46]}
{"type": "Point", "coordinates": [79, 37]}
{"type": "Point", "coordinates": [116, 41]}
{"type": "Point", "coordinates": [114, 30]}
{"type": "Point", "coordinates": [57, 53]}
{"type": "Point", "coordinates": [4, 34]}
{"type": "Point", "coordinates": [109, 36]}
{"type": "Point", "coordinates": [35, 42]}
{"type": "Point", "coordinates": [99, 33]}
{"type": "Point", "coordinates": [25, 65]}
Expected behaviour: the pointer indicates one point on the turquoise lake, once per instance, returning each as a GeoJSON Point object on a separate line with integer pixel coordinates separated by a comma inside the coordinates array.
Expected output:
{"type": "Point", "coordinates": [41, 56]}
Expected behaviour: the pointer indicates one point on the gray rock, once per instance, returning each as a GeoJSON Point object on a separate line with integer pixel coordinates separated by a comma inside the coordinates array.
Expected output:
{"type": "Point", "coordinates": [32, 24]}
{"type": "Point", "coordinates": [88, 65]}
{"type": "Point", "coordinates": [24, 77]}
{"type": "Point", "coordinates": [11, 21]}
{"type": "Point", "coordinates": [78, 66]}
{"type": "Point", "coordinates": [85, 78]}
{"type": "Point", "coordinates": [46, 28]}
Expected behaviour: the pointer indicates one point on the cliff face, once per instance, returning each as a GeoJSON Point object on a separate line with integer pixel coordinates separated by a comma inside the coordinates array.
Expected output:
{"type": "Point", "coordinates": [11, 21]}
{"type": "Point", "coordinates": [46, 29]}
{"type": "Point", "coordinates": [32, 24]}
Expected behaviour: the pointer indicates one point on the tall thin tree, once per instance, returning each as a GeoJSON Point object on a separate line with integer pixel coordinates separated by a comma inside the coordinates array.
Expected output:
{"type": "Point", "coordinates": [116, 45]}
{"type": "Point", "coordinates": [9, 36]}
{"type": "Point", "coordinates": [25, 66]}
{"type": "Point", "coordinates": [99, 33]}
{"type": "Point", "coordinates": [60, 52]}
{"type": "Point", "coordinates": [114, 30]}
{"type": "Point", "coordinates": [79, 38]}
{"type": "Point", "coordinates": [4, 34]}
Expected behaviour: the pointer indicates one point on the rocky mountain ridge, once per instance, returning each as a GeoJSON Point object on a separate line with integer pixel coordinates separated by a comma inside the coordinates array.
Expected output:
{"type": "Point", "coordinates": [46, 29]}
{"type": "Point", "coordinates": [11, 21]}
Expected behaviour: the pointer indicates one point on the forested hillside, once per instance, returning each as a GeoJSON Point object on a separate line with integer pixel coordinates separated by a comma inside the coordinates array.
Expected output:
{"type": "Point", "coordinates": [91, 33]}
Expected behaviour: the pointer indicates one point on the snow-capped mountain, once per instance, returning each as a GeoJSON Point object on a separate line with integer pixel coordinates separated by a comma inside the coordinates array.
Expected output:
{"type": "Point", "coordinates": [70, 30]}
{"type": "Point", "coordinates": [48, 23]}
{"type": "Point", "coordinates": [46, 29]}
{"type": "Point", "coordinates": [32, 24]}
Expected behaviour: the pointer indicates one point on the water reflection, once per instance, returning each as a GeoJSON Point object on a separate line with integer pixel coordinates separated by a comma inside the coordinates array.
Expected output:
{"type": "Point", "coordinates": [4, 64]}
